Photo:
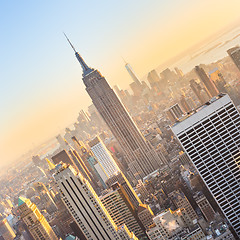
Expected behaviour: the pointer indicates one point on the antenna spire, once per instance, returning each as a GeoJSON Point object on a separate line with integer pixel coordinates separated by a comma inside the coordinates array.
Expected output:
{"type": "Point", "coordinates": [124, 60]}
{"type": "Point", "coordinates": [70, 42]}
{"type": "Point", "coordinates": [84, 66]}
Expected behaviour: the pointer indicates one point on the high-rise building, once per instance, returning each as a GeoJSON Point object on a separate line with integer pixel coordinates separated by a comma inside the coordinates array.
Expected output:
{"type": "Point", "coordinates": [145, 215]}
{"type": "Point", "coordinates": [205, 207]}
{"type": "Point", "coordinates": [132, 74]}
{"type": "Point", "coordinates": [217, 77]}
{"type": "Point", "coordinates": [36, 223]}
{"type": "Point", "coordinates": [209, 84]}
{"type": "Point", "coordinates": [181, 202]}
{"type": "Point", "coordinates": [63, 217]}
{"type": "Point", "coordinates": [122, 180]}
{"type": "Point", "coordinates": [71, 157]}
{"type": "Point", "coordinates": [141, 190]}
{"type": "Point", "coordinates": [46, 199]}
{"type": "Point", "coordinates": [200, 92]}
{"type": "Point", "coordinates": [211, 138]}
{"type": "Point", "coordinates": [103, 156]}
{"type": "Point", "coordinates": [6, 230]}
{"type": "Point", "coordinates": [234, 54]}
{"type": "Point", "coordinates": [84, 205]}
{"type": "Point", "coordinates": [141, 157]}
{"type": "Point", "coordinates": [185, 104]}
{"type": "Point", "coordinates": [61, 141]}
{"type": "Point", "coordinates": [122, 210]}
{"type": "Point", "coordinates": [125, 234]}
{"type": "Point", "coordinates": [153, 79]}
{"type": "Point", "coordinates": [174, 112]}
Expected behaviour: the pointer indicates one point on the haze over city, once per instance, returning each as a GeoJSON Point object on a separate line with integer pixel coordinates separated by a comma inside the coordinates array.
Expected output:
{"type": "Point", "coordinates": [41, 87]}
{"type": "Point", "coordinates": [121, 120]}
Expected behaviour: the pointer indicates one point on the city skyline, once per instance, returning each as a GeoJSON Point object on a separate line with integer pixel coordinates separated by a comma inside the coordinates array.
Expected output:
{"type": "Point", "coordinates": [33, 107]}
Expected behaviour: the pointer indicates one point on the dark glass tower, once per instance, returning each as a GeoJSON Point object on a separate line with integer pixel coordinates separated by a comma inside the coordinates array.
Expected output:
{"type": "Point", "coordinates": [142, 159]}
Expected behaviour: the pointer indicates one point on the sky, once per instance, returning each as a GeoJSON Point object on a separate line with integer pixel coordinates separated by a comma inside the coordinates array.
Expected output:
{"type": "Point", "coordinates": [41, 87]}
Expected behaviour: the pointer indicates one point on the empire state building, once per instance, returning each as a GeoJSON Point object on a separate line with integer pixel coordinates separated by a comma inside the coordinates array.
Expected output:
{"type": "Point", "coordinates": [141, 157]}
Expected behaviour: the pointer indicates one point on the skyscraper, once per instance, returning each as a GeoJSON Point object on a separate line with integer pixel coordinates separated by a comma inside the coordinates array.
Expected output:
{"type": "Point", "coordinates": [141, 157]}
{"type": "Point", "coordinates": [211, 138]}
{"type": "Point", "coordinates": [234, 54]}
{"type": "Point", "coordinates": [200, 92]}
{"type": "Point", "coordinates": [122, 180]}
{"type": "Point", "coordinates": [174, 112]}
{"type": "Point", "coordinates": [122, 210]}
{"type": "Point", "coordinates": [217, 77]}
{"type": "Point", "coordinates": [209, 84]}
{"type": "Point", "coordinates": [34, 220]}
{"type": "Point", "coordinates": [84, 205]}
{"type": "Point", "coordinates": [103, 156]}
{"type": "Point", "coordinates": [153, 79]}
{"type": "Point", "coordinates": [132, 74]}
{"type": "Point", "coordinates": [6, 230]}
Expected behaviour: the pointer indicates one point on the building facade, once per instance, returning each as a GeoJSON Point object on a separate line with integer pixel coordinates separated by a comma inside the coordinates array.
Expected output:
{"type": "Point", "coordinates": [141, 157]}
{"type": "Point", "coordinates": [211, 138]}
{"type": "Point", "coordinates": [84, 205]}
{"type": "Point", "coordinates": [36, 223]}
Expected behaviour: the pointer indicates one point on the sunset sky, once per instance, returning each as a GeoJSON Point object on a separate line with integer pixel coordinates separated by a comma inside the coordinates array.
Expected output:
{"type": "Point", "coordinates": [41, 87]}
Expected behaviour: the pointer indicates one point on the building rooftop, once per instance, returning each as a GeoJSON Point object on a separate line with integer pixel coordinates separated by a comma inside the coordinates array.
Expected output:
{"type": "Point", "coordinates": [201, 112]}
{"type": "Point", "coordinates": [21, 200]}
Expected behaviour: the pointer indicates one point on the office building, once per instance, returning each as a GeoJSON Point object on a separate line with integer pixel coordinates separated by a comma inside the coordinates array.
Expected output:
{"type": "Point", "coordinates": [34, 220]}
{"type": "Point", "coordinates": [234, 54]}
{"type": "Point", "coordinates": [122, 210]}
{"type": "Point", "coordinates": [6, 230]}
{"type": "Point", "coordinates": [205, 207]}
{"type": "Point", "coordinates": [174, 113]}
{"type": "Point", "coordinates": [218, 79]}
{"type": "Point", "coordinates": [209, 84]}
{"type": "Point", "coordinates": [62, 142]}
{"type": "Point", "coordinates": [125, 234]}
{"type": "Point", "coordinates": [211, 138]}
{"type": "Point", "coordinates": [132, 74]}
{"type": "Point", "coordinates": [199, 91]}
{"type": "Point", "coordinates": [142, 191]}
{"type": "Point", "coordinates": [84, 205]}
{"type": "Point", "coordinates": [122, 180]}
{"type": "Point", "coordinates": [186, 103]}
{"type": "Point", "coordinates": [72, 157]}
{"type": "Point", "coordinates": [46, 199]}
{"type": "Point", "coordinates": [63, 218]}
{"type": "Point", "coordinates": [153, 80]}
{"type": "Point", "coordinates": [103, 156]}
{"type": "Point", "coordinates": [141, 157]}
{"type": "Point", "coordinates": [96, 171]}
{"type": "Point", "coordinates": [181, 202]}
{"type": "Point", "coordinates": [145, 215]}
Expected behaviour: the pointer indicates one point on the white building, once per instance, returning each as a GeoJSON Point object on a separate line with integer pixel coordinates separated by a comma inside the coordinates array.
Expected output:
{"type": "Point", "coordinates": [211, 138]}
{"type": "Point", "coordinates": [103, 156]}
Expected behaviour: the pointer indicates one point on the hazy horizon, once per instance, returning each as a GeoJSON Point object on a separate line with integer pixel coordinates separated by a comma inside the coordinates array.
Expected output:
{"type": "Point", "coordinates": [42, 90]}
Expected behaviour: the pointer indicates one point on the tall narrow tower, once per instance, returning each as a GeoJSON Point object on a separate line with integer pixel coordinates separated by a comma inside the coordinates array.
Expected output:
{"type": "Point", "coordinates": [132, 74]}
{"type": "Point", "coordinates": [141, 157]}
{"type": "Point", "coordinates": [209, 84]}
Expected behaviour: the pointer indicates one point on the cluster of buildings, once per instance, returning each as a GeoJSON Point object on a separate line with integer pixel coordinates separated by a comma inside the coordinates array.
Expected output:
{"type": "Point", "coordinates": [168, 170]}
